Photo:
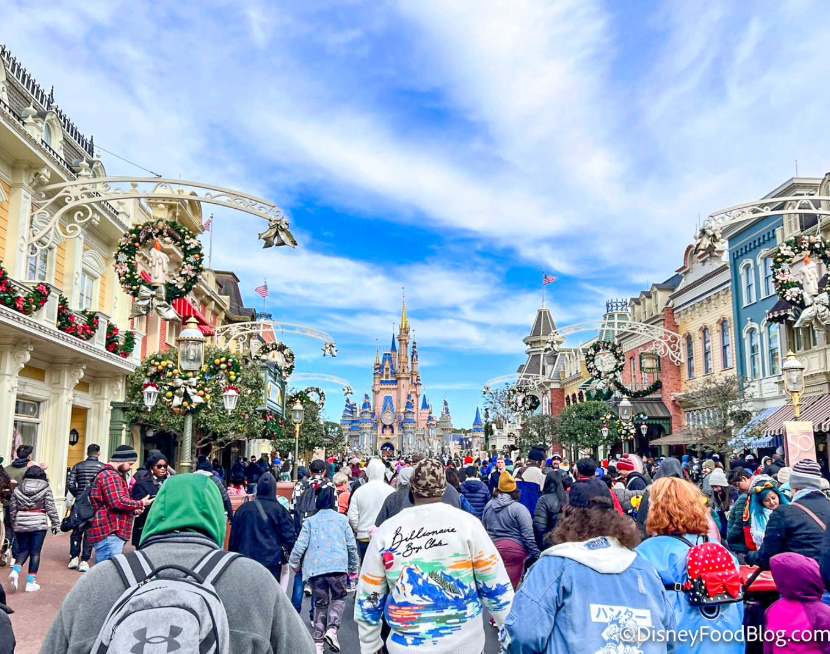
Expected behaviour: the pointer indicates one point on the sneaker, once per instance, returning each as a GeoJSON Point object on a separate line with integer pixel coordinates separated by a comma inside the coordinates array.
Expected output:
{"type": "Point", "coordinates": [32, 586]}
{"type": "Point", "coordinates": [331, 639]}
{"type": "Point", "coordinates": [13, 577]}
{"type": "Point", "coordinates": [493, 623]}
{"type": "Point", "coordinates": [73, 563]}
{"type": "Point", "coordinates": [307, 590]}
{"type": "Point", "coordinates": [320, 648]}
{"type": "Point", "coordinates": [351, 588]}
{"type": "Point", "coordinates": [83, 567]}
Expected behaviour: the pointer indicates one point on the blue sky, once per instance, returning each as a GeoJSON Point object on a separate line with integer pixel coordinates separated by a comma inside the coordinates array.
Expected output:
{"type": "Point", "coordinates": [456, 148]}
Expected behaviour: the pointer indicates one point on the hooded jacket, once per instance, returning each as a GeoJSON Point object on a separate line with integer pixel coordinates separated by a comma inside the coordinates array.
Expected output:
{"type": "Point", "coordinates": [368, 499]}
{"type": "Point", "coordinates": [31, 502]}
{"type": "Point", "coordinates": [800, 607]}
{"type": "Point", "coordinates": [584, 598]}
{"type": "Point", "coordinates": [636, 481]}
{"type": "Point", "coordinates": [263, 530]}
{"type": "Point", "coordinates": [505, 518]}
{"type": "Point", "coordinates": [477, 494]}
{"type": "Point", "coordinates": [668, 556]}
{"type": "Point", "coordinates": [548, 508]}
{"type": "Point", "coordinates": [669, 467]}
{"type": "Point", "coordinates": [186, 522]}
{"type": "Point", "coordinates": [226, 500]}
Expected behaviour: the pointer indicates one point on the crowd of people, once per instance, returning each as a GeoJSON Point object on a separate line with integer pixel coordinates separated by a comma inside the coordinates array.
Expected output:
{"type": "Point", "coordinates": [616, 556]}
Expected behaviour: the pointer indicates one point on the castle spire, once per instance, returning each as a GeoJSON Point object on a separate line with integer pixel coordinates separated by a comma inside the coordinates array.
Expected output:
{"type": "Point", "coordinates": [377, 355]}
{"type": "Point", "coordinates": [404, 321]}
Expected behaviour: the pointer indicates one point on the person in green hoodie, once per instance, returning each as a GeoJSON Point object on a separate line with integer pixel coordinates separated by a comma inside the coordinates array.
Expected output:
{"type": "Point", "coordinates": [186, 522]}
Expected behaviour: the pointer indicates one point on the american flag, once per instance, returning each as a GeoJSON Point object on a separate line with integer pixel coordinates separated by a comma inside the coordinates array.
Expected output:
{"type": "Point", "coordinates": [262, 291]}
{"type": "Point", "coordinates": [208, 223]}
{"type": "Point", "coordinates": [548, 280]}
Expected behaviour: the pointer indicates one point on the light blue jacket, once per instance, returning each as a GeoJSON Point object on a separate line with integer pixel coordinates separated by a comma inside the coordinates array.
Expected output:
{"type": "Point", "coordinates": [668, 555]}
{"type": "Point", "coordinates": [326, 545]}
{"type": "Point", "coordinates": [586, 598]}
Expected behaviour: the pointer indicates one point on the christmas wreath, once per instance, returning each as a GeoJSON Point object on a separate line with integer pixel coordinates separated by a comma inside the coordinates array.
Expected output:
{"type": "Point", "coordinates": [310, 394]}
{"type": "Point", "coordinates": [188, 392]}
{"type": "Point", "coordinates": [273, 427]}
{"type": "Point", "coordinates": [68, 321]}
{"type": "Point", "coordinates": [26, 304]}
{"type": "Point", "coordinates": [521, 399]}
{"type": "Point", "coordinates": [605, 360]}
{"type": "Point", "coordinates": [145, 235]}
{"type": "Point", "coordinates": [284, 357]}
{"type": "Point", "coordinates": [626, 430]}
{"type": "Point", "coordinates": [123, 347]}
{"type": "Point", "coordinates": [787, 284]}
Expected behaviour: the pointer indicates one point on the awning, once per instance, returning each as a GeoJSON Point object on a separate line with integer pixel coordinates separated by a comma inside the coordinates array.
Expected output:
{"type": "Point", "coordinates": [742, 440]}
{"type": "Point", "coordinates": [186, 310]}
{"type": "Point", "coordinates": [782, 312]}
{"type": "Point", "coordinates": [815, 409]}
{"type": "Point", "coordinates": [680, 438]}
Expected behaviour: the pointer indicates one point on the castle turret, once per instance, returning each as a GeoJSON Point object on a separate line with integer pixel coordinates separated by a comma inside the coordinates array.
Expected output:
{"type": "Point", "coordinates": [478, 423]}
{"type": "Point", "coordinates": [366, 424]}
{"type": "Point", "coordinates": [409, 426]}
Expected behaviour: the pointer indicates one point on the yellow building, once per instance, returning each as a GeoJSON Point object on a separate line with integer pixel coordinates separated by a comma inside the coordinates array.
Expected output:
{"type": "Point", "coordinates": [56, 389]}
{"type": "Point", "coordinates": [703, 310]}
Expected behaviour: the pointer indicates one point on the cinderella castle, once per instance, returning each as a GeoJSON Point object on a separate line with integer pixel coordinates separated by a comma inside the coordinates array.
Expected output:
{"type": "Point", "coordinates": [397, 418]}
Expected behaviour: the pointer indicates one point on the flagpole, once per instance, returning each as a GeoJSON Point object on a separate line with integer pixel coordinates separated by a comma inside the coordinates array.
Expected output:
{"type": "Point", "coordinates": [543, 288]}
{"type": "Point", "coordinates": [265, 283]}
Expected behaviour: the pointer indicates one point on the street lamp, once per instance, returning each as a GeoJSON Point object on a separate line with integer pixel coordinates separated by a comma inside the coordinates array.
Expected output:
{"type": "Point", "coordinates": [626, 409]}
{"type": "Point", "coordinates": [643, 429]}
{"type": "Point", "coordinates": [191, 345]}
{"type": "Point", "coordinates": [230, 397]}
{"type": "Point", "coordinates": [793, 371]}
{"type": "Point", "coordinates": [604, 430]}
{"type": "Point", "coordinates": [151, 394]}
{"type": "Point", "coordinates": [297, 416]}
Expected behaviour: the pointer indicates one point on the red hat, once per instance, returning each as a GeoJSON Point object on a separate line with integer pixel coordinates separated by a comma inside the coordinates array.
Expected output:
{"type": "Point", "coordinates": [468, 461]}
{"type": "Point", "coordinates": [626, 464]}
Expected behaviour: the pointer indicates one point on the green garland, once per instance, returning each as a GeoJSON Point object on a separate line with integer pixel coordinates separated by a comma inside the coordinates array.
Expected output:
{"type": "Point", "coordinates": [604, 346]}
{"type": "Point", "coordinates": [288, 354]}
{"type": "Point", "coordinates": [146, 234]}
{"type": "Point", "coordinates": [608, 393]}
{"type": "Point", "coordinates": [305, 396]}
{"type": "Point", "coordinates": [123, 347]}
{"type": "Point", "coordinates": [68, 324]}
{"type": "Point", "coordinates": [25, 304]}
{"type": "Point", "coordinates": [273, 427]}
{"type": "Point", "coordinates": [786, 283]}
{"type": "Point", "coordinates": [165, 375]}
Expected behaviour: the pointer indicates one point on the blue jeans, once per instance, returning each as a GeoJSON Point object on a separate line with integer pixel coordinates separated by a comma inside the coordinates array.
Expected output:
{"type": "Point", "coordinates": [297, 595]}
{"type": "Point", "coordinates": [108, 548]}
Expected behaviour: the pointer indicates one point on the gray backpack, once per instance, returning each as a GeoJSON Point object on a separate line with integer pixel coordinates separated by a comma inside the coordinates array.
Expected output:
{"type": "Point", "coordinates": [182, 613]}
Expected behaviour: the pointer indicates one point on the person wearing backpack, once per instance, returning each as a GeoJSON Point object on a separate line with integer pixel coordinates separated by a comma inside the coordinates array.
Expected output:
{"type": "Point", "coordinates": [80, 477]}
{"type": "Point", "coordinates": [32, 502]}
{"type": "Point", "coordinates": [115, 511]}
{"type": "Point", "coordinates": [242, 609]}
{"type": "Point", "coordinates": [366, 503]}
{"type": "Point", "coordinates": [326, 553]}
{"type": "Point", "coordinates": [677, 524]}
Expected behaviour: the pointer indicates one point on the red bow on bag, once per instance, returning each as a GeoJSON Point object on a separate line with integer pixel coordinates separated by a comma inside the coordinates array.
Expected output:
{"type": "Point", "coordinates": [722, 581]}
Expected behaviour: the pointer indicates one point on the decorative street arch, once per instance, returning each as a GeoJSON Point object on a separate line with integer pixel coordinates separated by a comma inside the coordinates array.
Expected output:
{"type": "Point", "coordinates": [240, 334]}
{"type": "Point", "coordinates": [320, 378]}
{"type": "Point", "coordinates": [75, 201]}
{"type": "Point", "coordinates": [666, 343]}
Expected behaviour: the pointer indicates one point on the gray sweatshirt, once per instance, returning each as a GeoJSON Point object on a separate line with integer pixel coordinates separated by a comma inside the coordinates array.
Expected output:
{"type": "Point", "coordinates": [505, 518]}
{"type": "Point", "coordinates": [260, 616]}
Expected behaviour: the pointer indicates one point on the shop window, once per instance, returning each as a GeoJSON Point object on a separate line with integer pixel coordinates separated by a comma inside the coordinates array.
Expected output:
{"type": "Point", "coordinates": [26, 424]}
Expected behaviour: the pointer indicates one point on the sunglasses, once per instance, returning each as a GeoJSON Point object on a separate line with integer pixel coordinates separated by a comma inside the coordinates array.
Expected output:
{"type": "Point", "coordinates": [161, 466]}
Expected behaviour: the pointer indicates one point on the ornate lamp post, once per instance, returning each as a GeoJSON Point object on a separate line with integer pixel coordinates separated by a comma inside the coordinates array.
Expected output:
{"type": "Point", "coordinates": [297, 416]}
{"type": "Point", "coordinates": [793, 371]}
{"type": "Point", "coordinates": [191, 344]}
{"type": "Point", "coordinates": [626, 411]}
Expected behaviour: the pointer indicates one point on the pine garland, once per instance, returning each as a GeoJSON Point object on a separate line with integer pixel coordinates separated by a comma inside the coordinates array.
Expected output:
{"type": "Point", "coordinates": [68, 323]}
{"type": "Point", "coordinates": [123, 347]}
{"type": "Point", "coordinates": [25, 304]}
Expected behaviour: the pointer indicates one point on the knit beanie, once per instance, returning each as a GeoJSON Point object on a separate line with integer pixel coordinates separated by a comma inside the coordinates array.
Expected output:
{"type": "Point", "coordinates": [124, 454]}
{"type": "Point", "coordinates": [806, 474]}
{"type": "Point", "coordinates": [506, 482]}
{"type": "Point", "coordinates": [709, 465]}
{"type": "Point", "coordinates": [783, 475]}
{"type": "Point", "coordinates": [718, 478]}
{"type": "Point", "coordinates": [587, 467]}
{"type": "Point", "coordinates": [537, 453]}
{"type": "Point", "coordinates": [428, 479]}
{"type": "Point", "coordinates": [590, 494]}
{"type": "Point", "coordinates": [626, 464]}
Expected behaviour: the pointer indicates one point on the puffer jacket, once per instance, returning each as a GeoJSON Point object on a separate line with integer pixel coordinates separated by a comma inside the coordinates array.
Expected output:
{"type": "Point", "coordinates": [82, 474]}
{"type": "Point", "coordinates": [477, 494]}
{"type": "Point", "coordinates": [32, 501]}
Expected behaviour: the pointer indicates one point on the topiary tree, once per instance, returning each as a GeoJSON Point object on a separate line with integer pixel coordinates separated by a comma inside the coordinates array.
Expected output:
{"type": "Point", "coordinates": [580, 426]}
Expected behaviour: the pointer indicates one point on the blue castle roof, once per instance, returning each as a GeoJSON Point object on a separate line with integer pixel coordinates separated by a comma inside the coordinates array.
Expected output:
{"type": "Point", "coordinates": [394, 347]}
{"type": "Point", "coordinates": [478, 425]}
{"type": "Point", "coordinates": [424, 403]}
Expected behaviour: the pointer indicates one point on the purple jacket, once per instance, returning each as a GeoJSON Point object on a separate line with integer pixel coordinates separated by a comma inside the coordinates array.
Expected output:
{"type": "Point", "coordinates": [800, 608]}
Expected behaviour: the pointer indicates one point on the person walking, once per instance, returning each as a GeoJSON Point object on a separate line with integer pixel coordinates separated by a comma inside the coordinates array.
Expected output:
{"type": "Point", "coordinates": [721, 501]}
{"type": "Point", "coordinates": [430, 606]}
{"type": "Point", "coordinates": [344, 495]}
{"type": "Point", "coordinates": [741, 479]}
{"type": "Point", "coordinates": [590, 592]}
{"type": "Point", "coordinates": [493, 479]}
{"type": "Point", "coordinates": [677, 519]}
{"type": "Point", "coordinates": [186, 525]}
{"type": "Point", "coordinates": [114, 509]}
{"type": "Point", "coordinates": [253, 472]}
{"type": "Point", "coordinates": [634, 480]}
{"type": "Point", "coordinates": [800, 526]}
{"type": "Point", "coordinates": [510, 526]}
{"type": "Point", "coordinates": [549, 507]}
{"type": "Point", "coordinates": [32, 502]}
{"type": "Point", "coordinates": [203, 467]}
{"type": "Point", "coordinates": [475, 490]}
{"type": "Point", "coordinates": [668, 467]}
{"type": "Point", "coordinates": [80, 477]}
{"type": "Point", "coordinates": [366, 503]}
{"type": "Point", "coordinates": [326, 553]}
{"type": "Point", "coordinates": [264, 530]}
{"type": "Point", "coordinates": [149, 486]}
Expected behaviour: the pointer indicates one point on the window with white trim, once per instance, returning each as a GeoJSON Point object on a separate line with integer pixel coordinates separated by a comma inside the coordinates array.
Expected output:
{"type": "Point", "coordinates": [773, 349]}
{"type": "Point", "coordinates": [37, 268]}
{"type": "Point", "coordinates": [707, 351]}
{"type": "Point", "coordinates": [769, 287]}
{"type": "Point", "coordinates": [47, 134]}
{"type": "Point", "coordinates": [93, 268]}
{"type": "Point", "coordinates": [690, 357]}
{"type": "Point", "coordinates": [726, 345]}
{"type": "Point", "coordinates": [753, 344]}
{"type": "Point", "coordinates": [748, 282]}
{"type": "Point", "coordinates": [26, 427]}
{"type": "Point", "coordinates": [86, 296]}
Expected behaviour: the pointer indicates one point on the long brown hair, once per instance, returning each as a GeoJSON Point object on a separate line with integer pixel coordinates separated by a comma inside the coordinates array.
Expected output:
{"type": "Point", "coordinates": [577, 525]}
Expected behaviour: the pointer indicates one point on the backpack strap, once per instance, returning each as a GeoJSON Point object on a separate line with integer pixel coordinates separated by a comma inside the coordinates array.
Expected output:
{"type": "Point", "coordinates": [213, 564]}
{"type": "Point", "coordinates": [261, 510]}
{"type": "Point", "coordinates": [133, 567]}
{"type": "Point", "coordinates": [681, 538]}
{"type": "Point", "coordinates": [817, 520]}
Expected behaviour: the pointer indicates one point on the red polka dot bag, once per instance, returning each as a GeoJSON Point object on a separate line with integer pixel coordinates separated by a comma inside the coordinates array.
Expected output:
{"type": "Point", "coordinates": [712, 577]}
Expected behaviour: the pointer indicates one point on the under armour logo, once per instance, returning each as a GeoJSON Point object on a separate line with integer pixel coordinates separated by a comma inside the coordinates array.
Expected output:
{"type": "Point", "coordinates": [142, 640]}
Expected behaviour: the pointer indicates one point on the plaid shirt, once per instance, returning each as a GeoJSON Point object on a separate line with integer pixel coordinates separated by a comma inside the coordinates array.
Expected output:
{"type": "Point", "coordinates": [114, 510]}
